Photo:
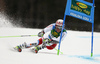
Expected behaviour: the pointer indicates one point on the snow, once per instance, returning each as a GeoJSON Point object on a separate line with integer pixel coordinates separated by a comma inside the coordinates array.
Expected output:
{"type": "Point", "coordinates": [76, 48]}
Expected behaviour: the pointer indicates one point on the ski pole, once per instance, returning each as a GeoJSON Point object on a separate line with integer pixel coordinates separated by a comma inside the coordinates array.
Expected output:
{"type": "Point", "coordinates": [27, 36]}
{"type": "Point", "coordinates": [17, 36]}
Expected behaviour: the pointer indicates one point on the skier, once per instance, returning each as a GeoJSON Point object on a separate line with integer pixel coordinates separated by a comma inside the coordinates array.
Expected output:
{"type": "Point", "coordinates": [47, 40]}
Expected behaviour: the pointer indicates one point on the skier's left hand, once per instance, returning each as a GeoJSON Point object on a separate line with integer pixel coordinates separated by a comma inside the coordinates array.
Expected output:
{"type": "Point", "coordinates": [40, 34]}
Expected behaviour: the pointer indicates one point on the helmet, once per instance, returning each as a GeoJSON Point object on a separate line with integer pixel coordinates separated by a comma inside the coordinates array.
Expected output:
{"type": "Point", "coordinates": [59, 22]}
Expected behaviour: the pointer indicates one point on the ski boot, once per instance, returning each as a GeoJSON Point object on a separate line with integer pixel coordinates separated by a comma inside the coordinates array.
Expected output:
{"type": "Point", "coordinates": [36, 49]}
{"type": "Point", "coordinates": [20, 47]}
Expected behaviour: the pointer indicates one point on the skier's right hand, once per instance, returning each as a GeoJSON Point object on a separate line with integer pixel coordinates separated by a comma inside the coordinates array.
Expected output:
{"type": "Point", "coordinates": [47, 40]}
{"type": "Point", "coordinates": [40, 34]}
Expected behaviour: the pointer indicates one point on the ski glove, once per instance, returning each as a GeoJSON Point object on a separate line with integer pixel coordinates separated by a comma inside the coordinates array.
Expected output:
{"type": "Point", "coordinates": [40, 34]}
{"type": "Point", "coordinates": [46, 40]}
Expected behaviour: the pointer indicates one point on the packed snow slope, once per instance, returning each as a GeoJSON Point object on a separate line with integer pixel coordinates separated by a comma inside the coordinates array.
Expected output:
{"type": "Point", "coordinates": [76, 48]}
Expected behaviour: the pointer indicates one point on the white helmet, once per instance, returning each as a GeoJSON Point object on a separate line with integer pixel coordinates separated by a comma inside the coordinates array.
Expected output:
{"type": "Point", "coordinates": [59, 22]}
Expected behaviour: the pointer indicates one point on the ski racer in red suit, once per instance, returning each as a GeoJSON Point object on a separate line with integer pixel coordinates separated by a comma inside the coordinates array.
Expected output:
{"type": "Point", "coordinates": [47, 40]}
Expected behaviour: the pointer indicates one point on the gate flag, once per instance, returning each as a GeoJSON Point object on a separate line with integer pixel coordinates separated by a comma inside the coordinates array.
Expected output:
{"type": "Point", "coordinates": [80, 9]}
